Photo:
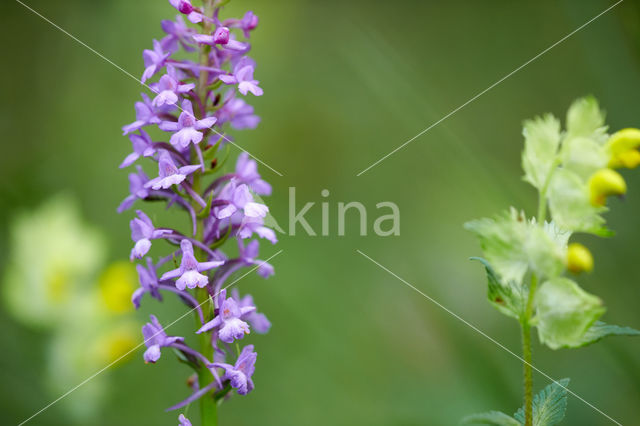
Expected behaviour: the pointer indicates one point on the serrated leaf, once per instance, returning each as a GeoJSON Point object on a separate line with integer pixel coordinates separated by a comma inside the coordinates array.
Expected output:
{"type": "Point", "coordinates": [585, 118]}
{"type": "Point", "coordinates": [599, 330]}
{"type": "Point", "coordinates": [549, 405]}
{"type": "Point", "coordinates": [507, 298]}
{"type": "Point", "coordinates": [496, 418]}
{"type": "Point", "coordinates": [502, 241]}
{"type": "Point", "coordinates": [541, 141]}
{"type": "Point", "coordinates": [512, 245]}
{"type": "Point", "coordinates": [564, 313]}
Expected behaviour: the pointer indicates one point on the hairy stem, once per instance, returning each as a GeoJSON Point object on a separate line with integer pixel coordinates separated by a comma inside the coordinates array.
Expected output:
{"type": "Point", "coordinates": [525, 326]}
{"type": "Point", "coordinates": [528, 379]}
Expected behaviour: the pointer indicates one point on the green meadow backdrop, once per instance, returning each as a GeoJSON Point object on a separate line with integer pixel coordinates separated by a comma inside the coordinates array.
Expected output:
{"type": "Point", "coordinates": [345, 83]}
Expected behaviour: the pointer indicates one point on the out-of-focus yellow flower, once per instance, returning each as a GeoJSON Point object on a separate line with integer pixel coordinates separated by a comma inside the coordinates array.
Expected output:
{"type": "Point", "coordinates": [579, 258]}
{"type": "Point", "coordinates": [117, 284]}
{"type": "Point", "coordinates": [603, 183]}
{"type": "Point", "coordinates": [623, 147]}
{"type": "Point", "coordinates": [116, 343]}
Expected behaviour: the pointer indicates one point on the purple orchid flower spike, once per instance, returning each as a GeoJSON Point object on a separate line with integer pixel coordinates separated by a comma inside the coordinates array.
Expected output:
{"type": "Point", "coordinates": [178, 34]}
{"type": "Point", "coordinates": [137, 189]}
{"type": "Point", "coordinates": [145, 115]}
{"type": "Point", "coordinates": [154, 60]}
{"type": "Point", "coordinates": [231, 327]}
{"type": "Point", "coordinates": [183, 421]}
{"type": "Point", "coordinates": [155, 338]}
{"type": "Point", "coordinates": [190, 269]}
{"type": "Point", "coordinates": [222, 209]}
{"type": "Point", "coordinates": [169, 173]}
{"type": "Point", "coordinates": [240, 373]}
{"type": "Point", "coordinates": [243, 77]}
{"type": "Point", "coordinates": [187, 129]}
{"type": "Point", "coordinates": [256, 320]}
{"type": "Point", "coordinates": [169, 88]}
{"type": "Point", "coordinates": [142, 147]}
{"type": "Point", "coordinates": [239, 198]}
{"type": "Point", "coordinates": [148, 283]}
{"type": "Point", "coordinates": [247, 172]}
{"type": "Point", "coordinates": [142, 232]}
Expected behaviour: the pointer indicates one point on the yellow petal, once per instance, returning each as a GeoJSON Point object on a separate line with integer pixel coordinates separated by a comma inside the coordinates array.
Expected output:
{"type": "Point", "coordinates": [622, 147]}
{"type": "Point", "coordinates": [579, 258]}
{"type": "Point", "coordinates": [603, 183]}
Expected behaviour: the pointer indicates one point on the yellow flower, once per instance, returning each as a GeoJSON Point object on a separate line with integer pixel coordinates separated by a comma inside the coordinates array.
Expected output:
{"type": "Point", "coordinates": [579, 258]}
{"type": "Point", "coordinates": [603, 183]}
{"type": "Point", "coordinates": [623, 147]}
{"type": "Point", "coordinates": [117, 284]}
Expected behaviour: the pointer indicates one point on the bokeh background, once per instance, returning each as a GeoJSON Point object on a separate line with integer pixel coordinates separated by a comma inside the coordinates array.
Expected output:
{"type": "Point", "coordinates": [345, 82]}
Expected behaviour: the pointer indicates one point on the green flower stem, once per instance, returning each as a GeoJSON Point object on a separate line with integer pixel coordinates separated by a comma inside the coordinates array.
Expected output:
{"type": "Point", "coordinates": [208, 405]}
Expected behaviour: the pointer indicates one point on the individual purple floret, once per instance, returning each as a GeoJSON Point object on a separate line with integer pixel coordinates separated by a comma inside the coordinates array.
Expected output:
{"type": "Point", "coordinates": [243, 77]}
{"type": "Point", "coordinates": [154, 60]}
{"type": "Point", "coordinates": [239, 199]}
{"type": "Point", "coordinates": [258, 321]}
{"type": "Point", "coordinates": [155, 338]}
{"type": "Point", "coordinates": [178, 35]}
{"type": "Point", "coordinates": [247, 172]}
{"type": "Point", "coordinates": [190, 269]}
{"type": "Point", "coordinates": [142, 147]}
{"type": "Point", "coordinates": [238, 113]}
{"type": "Point", "coordinates": [145, 116]}
{"type": "Point", "coordinates": [169, 173]}
{"type": "Point", "coordinates": [169, 88]}
{"type": "Point", "coordinates": [137, 189]}
{"type": "Point", "coordinates": [142, 232]}
{"type": "Point", "coordinates": [183, 421]}
{"type": "Point", "coordinates": [187, 129]}
{"type": "Point", "coordinates": [240, 373]}
{"type": "Point", "coordinates": [230, 326]}
{"type": "Point", "coordinates": [148, 283]}
{"type": "Point", "coordinates": [196, 75]}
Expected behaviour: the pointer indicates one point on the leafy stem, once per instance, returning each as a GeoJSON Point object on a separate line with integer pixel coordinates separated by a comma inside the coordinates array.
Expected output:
{"type": "Point", "coordinates": [525, 326]}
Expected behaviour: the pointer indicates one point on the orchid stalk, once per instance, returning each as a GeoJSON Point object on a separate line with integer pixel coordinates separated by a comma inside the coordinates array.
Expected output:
{"type": "Point", "coordinates": [527, 260]}
{"type": "Point", "coordinates": [194, 102]}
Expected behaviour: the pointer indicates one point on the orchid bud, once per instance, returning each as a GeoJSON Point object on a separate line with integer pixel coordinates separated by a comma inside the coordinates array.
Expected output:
{"type": "Point", "coordinates": [185, 7]}
{"type": "Point", "coordinates": [221, 36]}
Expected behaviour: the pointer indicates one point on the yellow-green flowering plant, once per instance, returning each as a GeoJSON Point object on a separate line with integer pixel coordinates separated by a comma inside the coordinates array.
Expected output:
{"type": "Point", "coordinates": [57, 281]}
{"type": "Point", "coordinates": [527, 259]}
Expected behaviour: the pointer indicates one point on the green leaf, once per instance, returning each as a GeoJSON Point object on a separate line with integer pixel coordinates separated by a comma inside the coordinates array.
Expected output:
{"type": "Point", "coordinates": [564, 313]}
{"type": "Point", "coordinates": [549, 405]}
{"type": "Point", "coordinates": [491, 418]}
{"type": "Point", "coordinates": [541, 141]}
{"type": "Point", "coordinates": [583, 156]}
{"type": "Point", "coordinates": [570, 205]}
{"type": "Point", "coordinates": [507, 298]}
{"type": "Point", "coordinates": [512, 244]}
{"type": "Point", "coordinates": [502, 241]}
{"type": "Point", "coordinates": [599, 330]}
{"type": "Point", "coordinates": [585, 118]}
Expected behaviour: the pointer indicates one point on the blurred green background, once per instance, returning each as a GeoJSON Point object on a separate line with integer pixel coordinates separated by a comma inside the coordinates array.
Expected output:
{"type": "Point", "coordinates": [345, 83]}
